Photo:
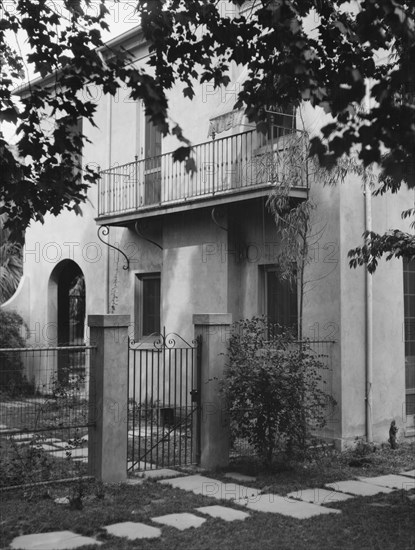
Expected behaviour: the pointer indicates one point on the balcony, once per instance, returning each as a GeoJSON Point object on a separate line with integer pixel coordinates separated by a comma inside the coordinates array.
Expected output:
{"type": "Point", "coordinates": [239, 167]}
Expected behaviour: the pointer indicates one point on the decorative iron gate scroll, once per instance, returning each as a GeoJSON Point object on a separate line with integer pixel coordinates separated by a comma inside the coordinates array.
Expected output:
{"type": "Point", "coordinates": [163, 402]}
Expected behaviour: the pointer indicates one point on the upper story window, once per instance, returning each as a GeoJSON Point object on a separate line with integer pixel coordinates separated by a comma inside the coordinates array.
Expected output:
{"type": "Point", "coordinates": [280, 122]}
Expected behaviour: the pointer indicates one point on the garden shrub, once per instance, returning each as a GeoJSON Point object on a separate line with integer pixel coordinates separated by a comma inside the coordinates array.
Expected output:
{"type": "Point", "coordinates": [12, 380]}
{"type": "Point", "coordinates": [272, 385]}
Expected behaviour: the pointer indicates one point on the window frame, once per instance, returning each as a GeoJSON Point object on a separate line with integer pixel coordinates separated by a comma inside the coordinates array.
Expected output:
{"type": "Point", "coordinates": [139, 282]}
{"type": "Point", "coordinates": [264, 291]}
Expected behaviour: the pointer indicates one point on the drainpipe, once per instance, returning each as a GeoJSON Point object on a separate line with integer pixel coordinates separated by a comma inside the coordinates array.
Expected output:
{"type": "Point", "coordinates": [109, 150]}
{"type": "Point", "coordinates": [369, 322]}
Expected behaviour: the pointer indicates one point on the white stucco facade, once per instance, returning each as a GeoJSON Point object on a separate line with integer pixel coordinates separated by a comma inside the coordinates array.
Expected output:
{"type": "Point", "coordinates": [213, 261]}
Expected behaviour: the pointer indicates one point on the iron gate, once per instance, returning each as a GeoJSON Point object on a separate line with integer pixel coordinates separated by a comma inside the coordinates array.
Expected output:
{"type": "Point", "coordinates": [163, 402]}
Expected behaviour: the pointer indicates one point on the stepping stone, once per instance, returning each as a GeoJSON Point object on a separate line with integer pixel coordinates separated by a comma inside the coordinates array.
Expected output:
{"type": "Point", "coordinates": [135, 481]}
{"type": "Point", "coordinates": [392, 481]}
{"type": "Point", "coordinates": [160, 474]}
{"type": "Point", "coordinates": [206, 486]}
{"type": "Point", "coordinates": [61, 500]}
{"type": "Point", "coordinates": [133, 530]}
{"type": "Point", "coordinates": [56, 540]}
{"type": "Point", "coordinates": [411, 473]}
{"type": "Point", "coordinates": [50, 448]}
{"type": "Point", "coordinates": [23, 436]}
{"type": "Point", "coordinates": [358, 488]}
{"type": "Point", "coordinates": [221, 512]}
{"type": "Point", "coordinates": [275, 504]}
{"type": "Point", "coordinates": [239, 477]}
{"type": "Point", "coordinates": [180, 521]}
{"type": "Point", "coordinates": [75, 453]}
{"type": "Point", "coordinates": [319, 496]}
{"type": "Point", "coordinates": [138, 466]}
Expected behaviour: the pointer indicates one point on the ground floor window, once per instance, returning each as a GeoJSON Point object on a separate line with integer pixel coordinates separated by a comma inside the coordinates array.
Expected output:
{"type": "Point", "coordinates": [281, 299]}
{"type": "Point", "coordinates": [147, 304]}
{"type": "Point", "coordinates": [409, 316]}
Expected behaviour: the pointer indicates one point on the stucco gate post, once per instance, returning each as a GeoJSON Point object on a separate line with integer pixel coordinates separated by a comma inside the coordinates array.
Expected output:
{"type": "Point", "coordinates": [213, 329]}
{"type": "Point", "coordinates": [108, 391]}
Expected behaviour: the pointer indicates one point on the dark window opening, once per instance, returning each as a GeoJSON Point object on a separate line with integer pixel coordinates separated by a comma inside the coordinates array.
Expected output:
{"type": "Point", "coordinates": [281, 301]}
{"type": "Point", "coordinates": [151, 305]}
{"type": "Point", "coordinates": [147, 305]}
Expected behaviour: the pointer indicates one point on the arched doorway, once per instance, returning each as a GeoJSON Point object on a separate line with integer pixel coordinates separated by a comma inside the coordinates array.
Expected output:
{"type": "Point", "coordinates": [67, 315]}
{"type": "Point", "coordinates": [71, 306]}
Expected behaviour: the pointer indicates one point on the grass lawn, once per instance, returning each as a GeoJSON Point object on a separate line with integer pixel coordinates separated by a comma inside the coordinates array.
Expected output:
{"type": "Point", "coordinates": [380, 522]}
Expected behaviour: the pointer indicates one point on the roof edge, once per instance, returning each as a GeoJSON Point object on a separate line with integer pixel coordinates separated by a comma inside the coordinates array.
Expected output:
{"type": "Point", "coordinates": [133, 36]}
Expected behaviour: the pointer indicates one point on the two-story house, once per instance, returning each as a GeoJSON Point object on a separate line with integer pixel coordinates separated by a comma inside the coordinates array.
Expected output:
{"type": "Point", "coordinates": [205, 242]}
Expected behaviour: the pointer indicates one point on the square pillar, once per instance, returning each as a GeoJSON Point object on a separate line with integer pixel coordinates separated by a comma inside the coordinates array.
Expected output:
{"type": "Point", "coordinates": [108, 397]}
{"type": "Point", "coordinates": [214, 331]}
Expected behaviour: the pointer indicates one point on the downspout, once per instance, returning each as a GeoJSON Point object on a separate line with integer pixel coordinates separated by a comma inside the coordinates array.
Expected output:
{"type": "Point", "coordinates": [369, 321]}
{"type": "Point", "coordinates": [109, 150]}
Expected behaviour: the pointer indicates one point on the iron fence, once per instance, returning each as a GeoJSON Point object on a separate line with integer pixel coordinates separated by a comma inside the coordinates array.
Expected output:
{"type": "Point", "coordinates": [233, 164]}
{"type": "Point", "coordinates": [44, 419]}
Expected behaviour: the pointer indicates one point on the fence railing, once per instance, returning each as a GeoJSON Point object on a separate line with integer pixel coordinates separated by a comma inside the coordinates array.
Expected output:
{"type": "Point", "coordinates": [233, 164]}
{"type": "Point", "coordinates": [44, 417]}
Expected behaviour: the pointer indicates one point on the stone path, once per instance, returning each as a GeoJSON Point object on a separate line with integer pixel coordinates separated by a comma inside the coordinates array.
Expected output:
{"type": "Point", "coordinates": [57, 448]}
{"type": "Point", "coordinates": [298, 504]}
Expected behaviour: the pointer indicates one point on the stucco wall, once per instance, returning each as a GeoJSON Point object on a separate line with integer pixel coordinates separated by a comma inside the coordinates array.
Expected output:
{"type": "Point", "coordinates": [212, 265]}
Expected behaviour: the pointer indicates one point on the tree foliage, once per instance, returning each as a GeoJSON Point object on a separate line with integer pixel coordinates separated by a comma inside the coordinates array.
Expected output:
{"type": "Point", "coordinates": [12, 378]}
{"type": "Point", "coordinates": [273, 386]}
{"type": "Point", "coordinates": [327, 52]}
{"type": "Point", "coordinates": [11, 263]}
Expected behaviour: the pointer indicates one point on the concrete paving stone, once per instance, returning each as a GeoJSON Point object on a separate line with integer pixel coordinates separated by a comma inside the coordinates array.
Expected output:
{"type": "Point", "coordinates": [61, 500]}
{"type": "Point", "coordinates": [23, 436]}
{"type": "Point", "coordinates": [135, 481]}
{"type": "Point", "coordinates": [206, 486]}
{"type": "Point", "coordinates": [275, 504]}
{"type": "Point", "coordinates": [221, 512]}
{"type": "Point", "coordinates": [411, 473]}
{"type": "Point", "coordinates": [180, 521]}
{"type": "Point", "coordinates": [75, 453]}
{"type": "Point", "coordinates": [81, 459]}
{"type": "Point", "coordinates": [160, 474]}
{"type": "Point", "coordinates": [56, 540]}
{"type": "Point", "coordinates": [50, 448]}
{"type": "Point", "coordinates": [318, 496]}
{"type": "Point", "coordinates": [143, 432]}
{"type": "Point", "coordinates": [138, 466]}
{"type": "Point", "coordinates": [358, 488]}
{"type": "Point", "coordinates": [392, 481]}
{"type": "Point", "coordinates": [239, 477]}
{"type": "Point", "coordinates": [133, 531]}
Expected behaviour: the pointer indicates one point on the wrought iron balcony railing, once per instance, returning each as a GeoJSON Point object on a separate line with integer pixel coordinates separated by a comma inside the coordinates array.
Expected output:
{"type": "Point", "coordinates": [237, 164]}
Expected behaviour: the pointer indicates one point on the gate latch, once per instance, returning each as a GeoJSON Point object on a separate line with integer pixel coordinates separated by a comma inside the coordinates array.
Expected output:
{"type": "Point", "coordinates": [195, 395]}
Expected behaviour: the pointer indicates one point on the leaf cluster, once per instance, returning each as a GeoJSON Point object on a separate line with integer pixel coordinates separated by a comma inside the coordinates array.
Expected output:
{"type": "Point", "coordinates": [193, 42]}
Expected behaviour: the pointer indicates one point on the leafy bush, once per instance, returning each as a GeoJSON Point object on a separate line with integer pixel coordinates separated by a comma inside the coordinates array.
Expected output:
{"type": "Point", "coordinates": [272, 384]}
{"type": "Point", "coordinates": [25, 463]}
{"type": "Point", "coordinates": [12, 380]}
